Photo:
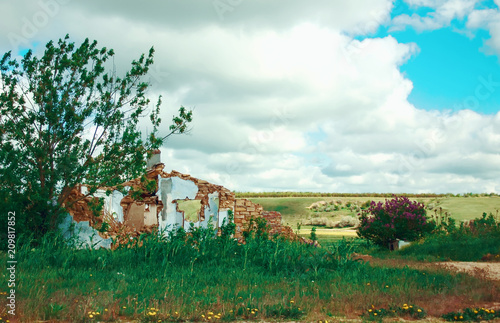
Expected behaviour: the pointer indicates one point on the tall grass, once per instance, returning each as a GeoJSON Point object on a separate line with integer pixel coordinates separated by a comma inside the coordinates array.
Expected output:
{"type": "Point", "coordinates": [469, 242]}
{"type": "Point", "coordinates": [194, 276]}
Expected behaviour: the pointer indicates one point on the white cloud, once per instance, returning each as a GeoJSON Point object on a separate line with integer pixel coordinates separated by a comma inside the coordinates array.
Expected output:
{"type": "Point", "coordinates": [441, 16]}
{"type": "Point", "coordinates": [482, 18]}
{"type": "Point", "coordinates": [286, 99]}
{"type": "Point", "coordinates": [488, 19]}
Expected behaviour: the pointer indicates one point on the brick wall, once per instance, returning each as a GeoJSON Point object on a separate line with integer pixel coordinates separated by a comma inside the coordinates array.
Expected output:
{"type": "Point", "coordinates": [245, 209]}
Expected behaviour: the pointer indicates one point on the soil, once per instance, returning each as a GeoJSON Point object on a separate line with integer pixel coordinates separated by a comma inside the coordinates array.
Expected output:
{"type": "Point", "coordinates": [484, 269]}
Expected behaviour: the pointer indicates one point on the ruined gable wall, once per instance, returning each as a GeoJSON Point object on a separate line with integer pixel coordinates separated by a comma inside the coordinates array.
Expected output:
{"type": "Point", "coordinates": [134, 216]}
{"type": "Point", "coordinates": [245, 209]}
{"type": "Point", "coordinates": [225, 196]}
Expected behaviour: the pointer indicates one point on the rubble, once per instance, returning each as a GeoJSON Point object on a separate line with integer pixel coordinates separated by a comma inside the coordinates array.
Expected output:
{"type": "Point", "coordinates": [124, 216]}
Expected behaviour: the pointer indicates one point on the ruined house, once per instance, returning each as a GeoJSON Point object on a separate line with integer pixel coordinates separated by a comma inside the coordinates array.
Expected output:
{"type": "Point", "coordinates": [179, 200]}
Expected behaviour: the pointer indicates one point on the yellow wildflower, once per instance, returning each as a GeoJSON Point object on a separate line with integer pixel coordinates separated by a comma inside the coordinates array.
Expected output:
{"type": "Point", "coordinates": [91, 316]}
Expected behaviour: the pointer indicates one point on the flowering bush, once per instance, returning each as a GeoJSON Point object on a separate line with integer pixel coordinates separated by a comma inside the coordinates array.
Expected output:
{"type": "Point", "coordinates": [398, 218]}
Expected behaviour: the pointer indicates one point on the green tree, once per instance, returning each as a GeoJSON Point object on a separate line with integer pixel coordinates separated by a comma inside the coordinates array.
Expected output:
{"type": "Point", "coordinates": [64, 120]}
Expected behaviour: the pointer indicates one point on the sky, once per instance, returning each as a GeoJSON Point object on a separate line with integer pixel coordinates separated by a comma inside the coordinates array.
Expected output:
{"type": "Point", "coordinates": [322, 96]}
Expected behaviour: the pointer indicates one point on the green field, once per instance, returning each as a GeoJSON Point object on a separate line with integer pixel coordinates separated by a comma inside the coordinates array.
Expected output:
{"type": "Point", "coordinates": [294, 210]}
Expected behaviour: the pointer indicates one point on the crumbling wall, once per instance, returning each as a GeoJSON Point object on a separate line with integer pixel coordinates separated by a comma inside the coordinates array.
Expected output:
{"type": "Point", "coordinates": [245, 209]}
{"type": "Point", "coordinates": [127, 217]}
{"type": "Point", "coordinates": [80, 224]}
{"type": "Point", "coordinates": [215, 200]}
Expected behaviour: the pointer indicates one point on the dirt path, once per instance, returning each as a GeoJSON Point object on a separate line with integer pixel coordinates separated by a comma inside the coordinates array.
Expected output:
{"type": "Point", "coordinates": [489, 270]}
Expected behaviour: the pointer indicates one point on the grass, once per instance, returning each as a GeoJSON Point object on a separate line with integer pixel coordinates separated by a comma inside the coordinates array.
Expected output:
{"type": "Point", "coordinates": [467, 208]}
{"type": "Point", "coordinates": [465, 243]}
{"type": "Point", "coordinates": [293, 209]}
{"type": "Point", "coordinates": [327, 235]}
{"type": "Point", "coordinates": [191, 209]}
{"type": "Point", "coordinates": [193, 277]}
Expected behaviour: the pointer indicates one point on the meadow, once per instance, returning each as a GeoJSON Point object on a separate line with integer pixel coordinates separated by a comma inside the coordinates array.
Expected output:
{"type": "Point", "coordinates": [294, 209]}
{"type": "Point", "coordinates": [193, 277]}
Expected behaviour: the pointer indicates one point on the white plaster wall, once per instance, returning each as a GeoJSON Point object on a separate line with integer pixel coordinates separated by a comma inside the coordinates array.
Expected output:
{"type": "Point", "coordinates": [171, 189]}
{"type": "Point", "coordinates": [114, 206]}
{"type": "Point", "coordinates": [150, 216]}
{"type": "Point", "coordinates": [112, 203]}
{"type": "Point", "coordinates": [223, 216]}
{"type": "Point", "coordinates": [85, 235]}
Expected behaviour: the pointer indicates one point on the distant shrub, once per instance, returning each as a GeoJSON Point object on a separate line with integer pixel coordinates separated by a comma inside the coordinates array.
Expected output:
{"type": "Point", "coordinates": [317, 222]}
{"type": "Point", "coordinates": [366, 204]}
{"type": "Point", "coordinates": [398, 218]}
{"type": "Point", "coordinates": [331, 224]}
{"type": "Point", "coordinates": [348, 221]}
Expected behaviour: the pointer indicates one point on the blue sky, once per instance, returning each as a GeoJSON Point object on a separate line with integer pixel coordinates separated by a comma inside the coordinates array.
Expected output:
{"type": "Point", "coordinates": [450, 61]}
{"type": "Point", "coordinates": [329, 96]}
